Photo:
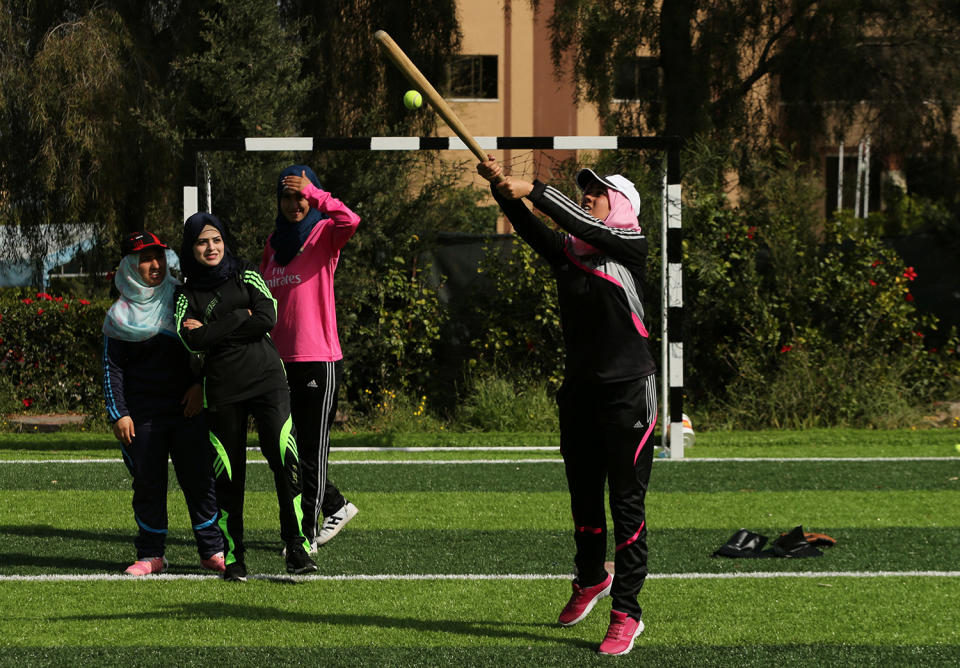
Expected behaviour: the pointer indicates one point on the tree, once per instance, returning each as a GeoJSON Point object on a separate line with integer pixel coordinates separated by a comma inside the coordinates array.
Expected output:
{"type": "Point", "coordinates": [356, 90]}
{"type": "Point", "coordinates": [97, 97]}
{"type": "Point", "coordinates": [81, 116]}
{"type": "Point", "coordinates": [728, 66]}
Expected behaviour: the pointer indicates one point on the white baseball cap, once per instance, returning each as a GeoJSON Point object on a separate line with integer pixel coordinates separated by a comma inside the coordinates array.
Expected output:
{"type": "Point", "coordinates": [619, 183]}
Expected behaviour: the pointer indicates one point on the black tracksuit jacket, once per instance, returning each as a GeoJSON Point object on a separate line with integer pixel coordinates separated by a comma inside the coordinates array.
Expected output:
{"type": "Point", "coordinates": [600, 296]}
{"type": "Point", "coordinates": [239, 359]}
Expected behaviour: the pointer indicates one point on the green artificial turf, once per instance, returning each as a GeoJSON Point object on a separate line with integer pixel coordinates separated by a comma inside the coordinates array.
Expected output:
{"type": "Point", "coordinates": [826, 615]}
{"type": "Point", "coordinates": [764, 443]}
{"type": "Point", "coordinates": [490, 520]}
{"type": "Point", "coordinates": [559, 654]}
{"type": "Point", "coordinates": [41, 549]}
{"type": "Point", "coordinates": [537, 510]}
{"type": "Point", "coordinates": [687, 476]}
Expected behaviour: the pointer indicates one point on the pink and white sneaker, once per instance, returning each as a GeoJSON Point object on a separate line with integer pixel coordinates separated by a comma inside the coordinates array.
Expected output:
{"type": "Point", "coordinates": [582, 601]}
{"type": "Point", "coordinates": [214, 562]}
{"type": "Point", "coordinates": [621, 633]}
{"type": "Point", "coordinates": [147, 566]}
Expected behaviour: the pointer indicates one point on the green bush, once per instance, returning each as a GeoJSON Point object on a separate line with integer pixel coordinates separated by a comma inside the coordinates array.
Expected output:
{"type": "Point", "coordinates": [389, 314]}
{"type": "Point", "coordinates": [494, 403]}
{"type": "Point", "coordinates": [487, 403]}
{"type": "Point", "coordinates": [399, 341]}
{"type": "Point", "coordinates": [791, 321]}
{"type": "Point", "coordinates": [51, 351]}
{"type": "Point", "coordinates": [794, 322]}
{"type": "Point", "coordinates": [392, 412]}
{"type": "Point", "coordinates": [822, 386]}
{"type": "Point", "coordinates": [516, 318]}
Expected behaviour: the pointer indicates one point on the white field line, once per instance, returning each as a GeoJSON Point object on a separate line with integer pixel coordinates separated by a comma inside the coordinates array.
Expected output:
{"type": "Point", "coordinates": [812, 459]}
{"type": "Point", "coordinates": [105, 577]}
{"type": "Point", "coordinates": [706, 460]}
{"type": "Point", "coordinates": [444, 448]}
{"type": "Point", "coordinates": [335, 461]}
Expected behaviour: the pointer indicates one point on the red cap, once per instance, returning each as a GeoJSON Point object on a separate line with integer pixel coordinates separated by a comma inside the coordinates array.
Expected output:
{"type": "Point", "coordinates": [138, 241]}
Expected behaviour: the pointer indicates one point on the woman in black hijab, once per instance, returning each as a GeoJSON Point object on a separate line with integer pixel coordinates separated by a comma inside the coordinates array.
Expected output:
{"type": "Point", "coordinates": [225, 311]}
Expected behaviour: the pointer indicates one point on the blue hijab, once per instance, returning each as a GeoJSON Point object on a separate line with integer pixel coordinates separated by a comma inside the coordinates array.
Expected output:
{"type": "Point", "coordinates": [198, 275]}
{"type": "Point", "coordinates": [142, 311]}
{"type": "Point", "coordinates": [288, 238]}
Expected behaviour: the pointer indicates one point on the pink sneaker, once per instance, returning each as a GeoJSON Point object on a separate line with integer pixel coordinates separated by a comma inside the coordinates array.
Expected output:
{"type": "Point", "coordinates": [621, 633]}
{"type": "Point", "coordinates": [582, 601]}
{"type": "Point", "coordinates": [147, 566]}
{"type": "Point", "coordinates": [214, 562]}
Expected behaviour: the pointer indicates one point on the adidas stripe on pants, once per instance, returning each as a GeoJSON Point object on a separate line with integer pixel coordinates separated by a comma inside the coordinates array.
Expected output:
{"type": "Point", "coordinates": [606, 436]}
{"type": "Point", "coordinates": [314, 387]}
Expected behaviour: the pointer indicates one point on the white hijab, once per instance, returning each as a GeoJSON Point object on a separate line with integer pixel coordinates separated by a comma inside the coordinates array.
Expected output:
{"type": "Point", "coordinates": [142, 311]}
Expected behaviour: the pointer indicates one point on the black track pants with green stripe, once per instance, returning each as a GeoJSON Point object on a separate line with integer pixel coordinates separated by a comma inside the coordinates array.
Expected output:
{"type": "Point", "coordinates": [228, 434]}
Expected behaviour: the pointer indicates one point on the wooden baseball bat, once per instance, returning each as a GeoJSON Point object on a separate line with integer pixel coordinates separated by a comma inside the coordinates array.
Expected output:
{"type": "Point", "coordinates": [399, 58]}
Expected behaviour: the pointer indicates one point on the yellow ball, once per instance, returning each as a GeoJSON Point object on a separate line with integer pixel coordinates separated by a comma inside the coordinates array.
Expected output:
{"type": "Point", "coordinates": [412, 99]}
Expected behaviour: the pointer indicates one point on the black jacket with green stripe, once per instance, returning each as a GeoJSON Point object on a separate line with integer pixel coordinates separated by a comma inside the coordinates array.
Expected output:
{"type": "Point", "coordinates": [239, 358]}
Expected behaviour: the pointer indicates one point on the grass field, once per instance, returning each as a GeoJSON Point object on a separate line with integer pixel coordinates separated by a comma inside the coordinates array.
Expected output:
{"type": "Point", "coordinates": [463, 557]}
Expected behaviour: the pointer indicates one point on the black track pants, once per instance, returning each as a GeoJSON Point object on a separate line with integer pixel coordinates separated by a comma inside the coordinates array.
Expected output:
{"type": "Point", "coordinates": [184, 440]}
{"type": "Point", "coordinates": [606, 436]}
{"type": "Point", "coordinates": [228, 434]}
{"type": "Point", "coordinates": [313, 402]}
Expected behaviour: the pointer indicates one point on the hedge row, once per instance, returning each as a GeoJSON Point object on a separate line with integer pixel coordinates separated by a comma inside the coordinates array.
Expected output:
{"type": "Point", "coordinates": [50, 350]}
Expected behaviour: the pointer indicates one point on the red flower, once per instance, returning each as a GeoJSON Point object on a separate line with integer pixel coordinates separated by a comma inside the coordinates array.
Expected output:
{"type": "Point", "coordinates": [44, 295]}
{"type": "Point", "coordinates": [39, 311]}
{"type": "Point", "coordinates": [27, 301]}
{"type": "Point", "coordinates": [84, 302]}
{"type": "Point", "coordinates": [909, 297]}
{"type": "Point", "coordinates": [28, 402]}
{"type": "Point", "coordinates": [910, 274]}
{"type": "Point", "coordinates": [58, 299]}
{"type": "Point", "coordinates": [751, 231]}
{"type": "Point", "coordinates": [920, 334]}
{"type": "Point", "coordinates": [786, 348]}
{"type": "Point", "coordinates": [873, 283]}
{"type": "Point", "coordinates": [876, 263]}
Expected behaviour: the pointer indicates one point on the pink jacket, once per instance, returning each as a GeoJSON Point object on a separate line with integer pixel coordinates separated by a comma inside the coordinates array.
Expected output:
{"type": "Point", "coordinates": [306, 329]}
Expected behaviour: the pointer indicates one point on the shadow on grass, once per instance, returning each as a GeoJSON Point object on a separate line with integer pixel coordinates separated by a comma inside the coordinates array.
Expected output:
{"type": "Point", "coordinates": [42, 548]}
{"type": "Point", "coordinates": [495, 629]}
{"type": "Point", "coordinates": [60, 441]}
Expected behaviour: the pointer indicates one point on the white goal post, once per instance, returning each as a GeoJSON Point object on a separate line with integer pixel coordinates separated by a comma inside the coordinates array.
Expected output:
{"type": "Point", "coordinates": [671, 275]}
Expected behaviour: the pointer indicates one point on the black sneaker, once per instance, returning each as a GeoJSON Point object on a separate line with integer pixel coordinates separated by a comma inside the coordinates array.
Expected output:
{"type": "Point", "coordinates": [298, 561]}
{"type": "Point", "coordinates": [235, 572]}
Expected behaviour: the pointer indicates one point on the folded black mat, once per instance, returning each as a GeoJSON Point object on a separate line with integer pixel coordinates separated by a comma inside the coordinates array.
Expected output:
{"type": "Point", "coordinates": [744, 544]}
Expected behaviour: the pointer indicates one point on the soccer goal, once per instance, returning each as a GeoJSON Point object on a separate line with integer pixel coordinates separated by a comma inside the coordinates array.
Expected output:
{"type": "Point", "coordinates": [671, 278]}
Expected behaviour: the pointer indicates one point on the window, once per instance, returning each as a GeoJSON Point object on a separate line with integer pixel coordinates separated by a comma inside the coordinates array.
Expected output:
{"type": "Point", "coordinates": [850, 167]}
{"type": "Point", "coordinates": [473, 77]}
{"type": "Point", "coordinates": [636, 78]}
